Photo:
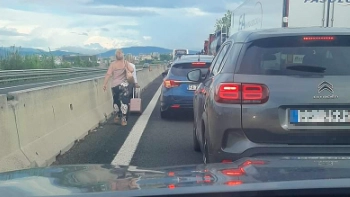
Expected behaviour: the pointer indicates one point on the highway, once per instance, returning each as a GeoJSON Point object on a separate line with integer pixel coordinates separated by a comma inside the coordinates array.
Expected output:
{"type": "Point", "coordinates": [147, 140]}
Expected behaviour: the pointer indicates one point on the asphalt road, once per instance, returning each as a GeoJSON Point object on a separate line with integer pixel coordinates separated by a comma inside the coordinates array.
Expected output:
{"type": "Point", "coordinates": [162, 143]}
{"type": "Point", "coordinates": [22, 85]}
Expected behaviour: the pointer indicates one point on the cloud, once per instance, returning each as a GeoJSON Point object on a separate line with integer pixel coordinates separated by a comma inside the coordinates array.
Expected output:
{"type": "Point", "coordinates": [94, 46]}
{"type": "Point", "coordinates": [98, 25]}
{"type": "Point", "coordinates": [116, 11]}
{"type": "Point", "coordinates": [82, 34]}
{"type": "Point", "coordinates": [109, 43]}
{"type": "Point", "coordinates": [205, 5]}
{"type": "Point", "coordinates": [4, 31]}
{"type": "Point", "coordinates": [54, 3]}
{"type": "Point", "coordinates": [147, 37]}
{"type": "Point", "coordinates": [90, 49]}
{"type": "Point", "coordinates": [104, 29]}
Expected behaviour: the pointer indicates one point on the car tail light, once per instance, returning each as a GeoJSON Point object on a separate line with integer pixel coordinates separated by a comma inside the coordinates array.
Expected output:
{"type": "Point", "coordinates": [241, 93]}
{"type": "Point", "coordinates": [228, 93]}
{"type": "Point", "coordinates": [170, 83]}
{"type": "Point", "coordinates": [311, 38]}
{"type": "Point", "coordinates": [199, 64]}
{"type": "Point", "coordinates": [175, 106]}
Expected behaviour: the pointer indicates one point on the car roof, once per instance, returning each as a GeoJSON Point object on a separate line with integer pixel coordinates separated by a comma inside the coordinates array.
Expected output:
{"type": "Point", "coordinates": [251, 35]}
{"type": "Point", "coordinates": [194, 58]}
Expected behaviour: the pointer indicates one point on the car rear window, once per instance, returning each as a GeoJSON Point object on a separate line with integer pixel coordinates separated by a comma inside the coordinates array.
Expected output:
{"type": "Point", "coordinates": [301, 55]}
{"type": "Point", "coordinates": [182, 69]}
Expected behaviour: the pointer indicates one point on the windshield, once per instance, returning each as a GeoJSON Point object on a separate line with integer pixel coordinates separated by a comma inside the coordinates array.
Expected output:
{"type": "Point", "coordinates": [131, 84]}
{"type": "Point", "coordinates": [294, 56]}
{"type": "Point", "coordinates": [181, 69]}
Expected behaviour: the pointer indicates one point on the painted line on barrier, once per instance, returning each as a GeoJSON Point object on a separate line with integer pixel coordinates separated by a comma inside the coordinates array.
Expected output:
{"type": "Point", "coordinates": [40, 83]}
{"type": "Point", "coordinates": [126, 152]}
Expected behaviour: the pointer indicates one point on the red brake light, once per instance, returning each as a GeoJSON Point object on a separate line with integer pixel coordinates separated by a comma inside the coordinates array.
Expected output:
{"type": "Point", "coordinates": [170, 83]}
{"type": "Point", "coordinates": [175, 106]}
{"type": "Point", "coordinates": [241, 93]}
{"type": "Point", "coordinates": [198, 63]}
{"type": "Point", "coordinates": [310, 38]}
{"type": "Point", "coordinates": [252, 92]}
{"type": "Point", "coordinates": [228, 93]}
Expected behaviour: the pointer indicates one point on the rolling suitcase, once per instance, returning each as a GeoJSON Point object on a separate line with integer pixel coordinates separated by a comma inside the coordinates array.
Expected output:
{"type": "Point", "coordinates": [135, 102]}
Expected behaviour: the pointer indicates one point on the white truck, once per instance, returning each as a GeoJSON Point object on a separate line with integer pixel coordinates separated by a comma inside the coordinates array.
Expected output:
{"type": "Point", "coordinates": [262, 14]}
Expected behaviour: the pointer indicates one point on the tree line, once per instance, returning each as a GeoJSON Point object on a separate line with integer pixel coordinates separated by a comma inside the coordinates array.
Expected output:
{"type": "Point", "coordinates": [13, 60]}
{"type": "Point", "coordinates": [223, 22]}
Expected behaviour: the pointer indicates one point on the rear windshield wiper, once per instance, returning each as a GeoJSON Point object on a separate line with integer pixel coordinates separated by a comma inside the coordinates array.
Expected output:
{"type": "Point", "coordinates": [307, 68]}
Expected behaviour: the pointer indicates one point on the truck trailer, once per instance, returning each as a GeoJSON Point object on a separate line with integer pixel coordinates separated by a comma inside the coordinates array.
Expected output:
{"type": "Point", "coordinates": [263, 14]}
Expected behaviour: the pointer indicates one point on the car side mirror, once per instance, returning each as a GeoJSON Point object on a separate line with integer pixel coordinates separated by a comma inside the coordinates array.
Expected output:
{"type": "Point", "coordinates": [195, 75]}
{"type": "Point", "coordinates": [165, 73]}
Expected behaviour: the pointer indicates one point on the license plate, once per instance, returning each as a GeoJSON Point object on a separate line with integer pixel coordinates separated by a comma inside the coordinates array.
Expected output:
{"type": "Point", "coordinates": [192, 87]}
{"type": "Point", "coordinates": [319, 116]}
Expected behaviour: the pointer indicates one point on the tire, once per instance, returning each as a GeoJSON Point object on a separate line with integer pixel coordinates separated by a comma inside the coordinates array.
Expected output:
{"type": "Point", "coordinates": [196, 145]}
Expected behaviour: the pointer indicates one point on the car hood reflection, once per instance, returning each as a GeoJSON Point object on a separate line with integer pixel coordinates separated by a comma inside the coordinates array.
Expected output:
{"type": "Point", "coordinates": [75, 179]}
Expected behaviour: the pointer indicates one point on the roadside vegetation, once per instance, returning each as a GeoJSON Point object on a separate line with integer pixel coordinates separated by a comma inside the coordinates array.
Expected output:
{"type": "Point", "coordinates": [13, 60]}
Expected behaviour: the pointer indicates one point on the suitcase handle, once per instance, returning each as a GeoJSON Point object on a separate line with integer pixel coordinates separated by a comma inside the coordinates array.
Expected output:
{"type": "Point", "coordinates": [133, 92]}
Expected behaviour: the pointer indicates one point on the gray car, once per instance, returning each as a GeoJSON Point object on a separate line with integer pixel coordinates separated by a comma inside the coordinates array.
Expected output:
{"type": "Point", "coordinates": [275, 92]}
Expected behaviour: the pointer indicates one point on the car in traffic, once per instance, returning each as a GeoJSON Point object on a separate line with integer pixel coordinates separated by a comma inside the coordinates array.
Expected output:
{"type": "Point", "coordinates": [280, 91]}
{"type": "Point", "coordinates": [177, 92]}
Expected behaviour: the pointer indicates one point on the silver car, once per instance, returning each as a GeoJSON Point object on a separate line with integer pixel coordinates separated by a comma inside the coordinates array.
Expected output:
{"type": "Point", "coordinates": [275, 92]}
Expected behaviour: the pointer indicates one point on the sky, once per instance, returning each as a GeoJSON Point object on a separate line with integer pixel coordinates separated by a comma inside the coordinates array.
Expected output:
{"type": "Point", "coordinates": [109, 24]}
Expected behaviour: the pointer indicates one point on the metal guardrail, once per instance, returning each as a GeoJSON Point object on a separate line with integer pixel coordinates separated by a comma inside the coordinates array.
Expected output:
{"type": "Point", "coordinates": [35, 74]}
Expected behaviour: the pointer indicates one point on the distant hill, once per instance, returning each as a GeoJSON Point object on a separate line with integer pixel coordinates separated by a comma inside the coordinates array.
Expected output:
{"type": "Point", "coordinates": [32, 51]}
{"type": "Point", "coordinates": [136, 50]}
{"type": "Point", "coordinates": [141, 49]}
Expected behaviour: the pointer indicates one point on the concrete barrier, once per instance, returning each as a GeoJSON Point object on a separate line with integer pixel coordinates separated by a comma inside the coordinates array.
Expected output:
{"type": "Point", "coordinates": [42, 123]}
{"type": "Point", "coordinates": [11, 156]}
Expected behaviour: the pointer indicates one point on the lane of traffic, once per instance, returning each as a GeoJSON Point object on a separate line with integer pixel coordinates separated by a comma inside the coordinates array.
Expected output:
{"type": "Point", "coordinates": [167, 142]}
{"type": "Point", "coordinates": [101, 145]}
{"type": "Point", "coordinates": [163, 143]}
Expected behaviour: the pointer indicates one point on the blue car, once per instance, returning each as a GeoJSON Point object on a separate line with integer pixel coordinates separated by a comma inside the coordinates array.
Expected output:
{"type": "Point", "coordinates": [177, 92]}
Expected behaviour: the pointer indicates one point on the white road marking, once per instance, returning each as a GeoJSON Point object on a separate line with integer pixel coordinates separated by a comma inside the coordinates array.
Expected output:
{"type": "Point", "coordinates": [40, 83]}
{"type": "Point", "coordinates": [126, 152]}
